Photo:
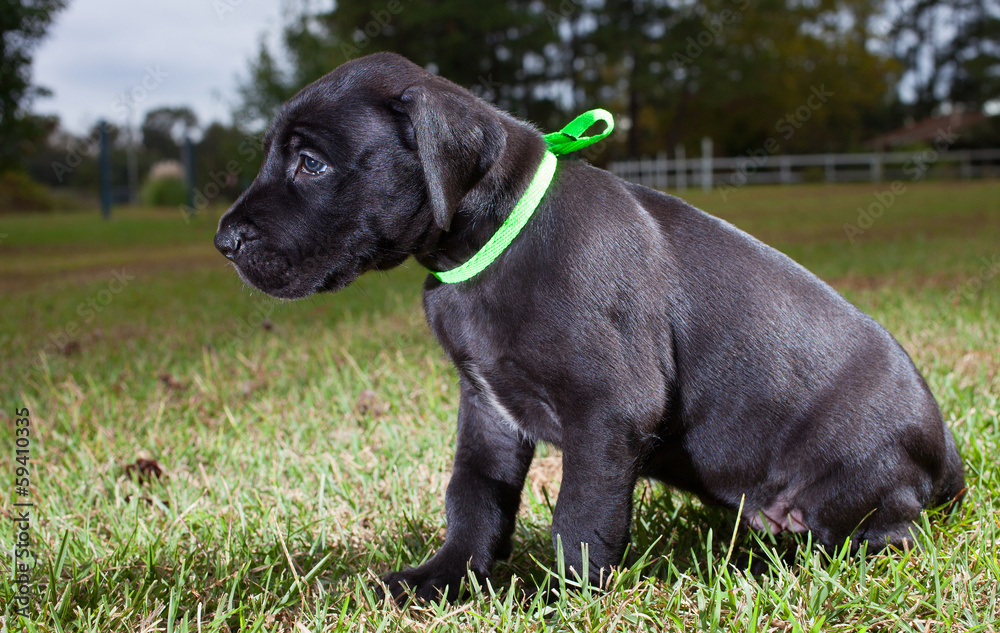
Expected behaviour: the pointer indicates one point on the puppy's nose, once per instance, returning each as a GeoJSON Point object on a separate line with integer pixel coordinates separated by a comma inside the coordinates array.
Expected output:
{"type": "Point", "coordinates": [228, 240]}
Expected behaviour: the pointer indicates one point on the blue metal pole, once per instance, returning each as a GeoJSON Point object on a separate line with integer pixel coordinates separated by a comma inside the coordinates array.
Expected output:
{"type": "Point", "coordinates": [189, 155]}
{"type": "Point", "coordinates": [102, 127]}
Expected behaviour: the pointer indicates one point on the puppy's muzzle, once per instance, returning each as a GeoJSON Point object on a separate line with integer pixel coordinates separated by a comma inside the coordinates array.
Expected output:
{"type": "Point", "coordinates": [229, 239]}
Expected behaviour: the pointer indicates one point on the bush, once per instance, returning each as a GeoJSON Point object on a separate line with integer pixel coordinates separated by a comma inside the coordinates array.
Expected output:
{"type": "Point", "coordinates": [18, 192]}
{"type": "Point", "coordinates": [164, 192]}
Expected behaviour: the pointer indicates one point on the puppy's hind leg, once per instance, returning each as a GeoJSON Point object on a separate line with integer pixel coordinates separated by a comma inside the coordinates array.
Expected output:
{"type": "Point", "coordinates": [950, 487]}
{"type": "Point", "coordinates": [883, 518]}
{"type": "Point", "coordinates": [893, 523]}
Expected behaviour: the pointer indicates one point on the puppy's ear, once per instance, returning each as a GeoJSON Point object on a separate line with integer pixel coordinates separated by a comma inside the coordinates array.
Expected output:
{"type": "Point", "coordinates": [458, 138]}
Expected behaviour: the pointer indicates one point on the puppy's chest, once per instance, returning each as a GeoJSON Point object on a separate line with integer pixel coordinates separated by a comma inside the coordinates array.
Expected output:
{"type": "Point", "coordinates": [515, 399]}
{"type": "Point", "coordinates": [509, 377]}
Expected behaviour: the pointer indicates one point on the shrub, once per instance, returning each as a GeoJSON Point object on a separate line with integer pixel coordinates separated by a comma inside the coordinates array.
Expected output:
{"type": "Point", "coordinates": [164, 192]}
{"type": "Point", "coordinates": [18, 192]}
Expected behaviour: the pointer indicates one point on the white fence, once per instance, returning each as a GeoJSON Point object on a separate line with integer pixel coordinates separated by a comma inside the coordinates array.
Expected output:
{"type": "Point", "coordinates": [760, 167]}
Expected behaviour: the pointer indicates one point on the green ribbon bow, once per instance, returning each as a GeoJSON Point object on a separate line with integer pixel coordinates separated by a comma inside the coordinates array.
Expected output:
{"type": "Point", "coordinates": [564, 141]}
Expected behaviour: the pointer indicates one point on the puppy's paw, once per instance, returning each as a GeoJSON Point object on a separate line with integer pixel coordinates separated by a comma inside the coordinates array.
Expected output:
{"type": "Point", "coordinates": [428, 582]}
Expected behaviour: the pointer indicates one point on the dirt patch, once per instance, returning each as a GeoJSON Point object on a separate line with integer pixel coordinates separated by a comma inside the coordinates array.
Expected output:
{"type": "Point", "coordinates": [139, 264]}
{"type": "Point", "coordinates": [544, 477]}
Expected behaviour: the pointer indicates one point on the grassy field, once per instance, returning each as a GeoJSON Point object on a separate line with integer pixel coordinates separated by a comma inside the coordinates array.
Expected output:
{"type": "Point", "coordinates": [299, 450]}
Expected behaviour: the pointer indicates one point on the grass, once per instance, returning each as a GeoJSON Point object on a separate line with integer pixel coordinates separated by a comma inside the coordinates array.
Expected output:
{"type": "Point", "coordinates": [305, 447]}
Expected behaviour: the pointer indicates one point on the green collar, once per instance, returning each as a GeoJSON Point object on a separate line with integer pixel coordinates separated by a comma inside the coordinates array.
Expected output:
{"type": "Point", "coordinates": [564, 141]}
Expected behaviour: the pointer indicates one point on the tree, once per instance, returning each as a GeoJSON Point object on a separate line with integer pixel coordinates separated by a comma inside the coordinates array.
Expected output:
{"type": "Point", "coordinates": [227, 161]}
{"type": "Point", "coordinates": [614, 54]}
{"type": "Point", "coordinates": [735, 70]}
{"type": "Point", "coordinates": [262, 93]}
{"type": "Point", "coordinates": [164, 129]}
{"type": "Point", "coordinates": [745, 72]}
{"type": "Point", "coordinates": [957, 65]}
{"type": "Point", "coordinates": [22, 25]}
{"type": "Point", "coordinates": [494, 50]}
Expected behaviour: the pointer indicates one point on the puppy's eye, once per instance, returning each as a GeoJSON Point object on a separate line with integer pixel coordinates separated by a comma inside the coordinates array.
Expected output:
{"type": "Point", "coordinates": [310, 165]}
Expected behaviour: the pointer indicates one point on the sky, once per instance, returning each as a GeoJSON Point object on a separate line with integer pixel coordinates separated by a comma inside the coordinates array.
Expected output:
{"type": "Point", "coordinates": [117, 59]}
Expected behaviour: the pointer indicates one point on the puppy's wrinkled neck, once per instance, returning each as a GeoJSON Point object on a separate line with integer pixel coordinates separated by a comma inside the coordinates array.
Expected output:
{"type": "Point", "coordinates": [488, 202]}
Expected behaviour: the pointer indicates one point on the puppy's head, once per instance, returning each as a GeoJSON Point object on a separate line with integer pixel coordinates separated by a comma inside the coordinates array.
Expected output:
{"type": "Point", "coordinates": [364, 167]}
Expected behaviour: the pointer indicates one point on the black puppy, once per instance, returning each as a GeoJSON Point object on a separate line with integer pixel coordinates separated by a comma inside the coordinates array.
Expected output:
{"type": "Point", "coordinates": [641, 335]}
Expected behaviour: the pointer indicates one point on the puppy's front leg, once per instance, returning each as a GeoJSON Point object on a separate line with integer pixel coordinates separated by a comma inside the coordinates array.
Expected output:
{"type": "Point", "coordinates": [482, 500]}
{"type": "Point", "coordinates": [594, 506]}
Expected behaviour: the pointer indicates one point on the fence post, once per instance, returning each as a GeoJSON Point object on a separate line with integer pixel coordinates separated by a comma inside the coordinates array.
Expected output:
{"type": "Point", "coordinates": [877, 167]}
{"type": "Point", "coordinates": [189, 169]}
{"type": "Point", "coordinates": [966, 168]}
{"type": "Point", "coordinates": [661, 170]}
{"type": "Point", "coordinates": [830, 170]}
{"type": "Point", "coordinates": [682, 176]}
{"type": "Point", "coordinates": [786, 170]}
{"type": "Point", "coordinates": [706, 164]}
{"type": "Point", "coordinates": [132, 165]}
{"type": "Point", "coordinates": [105, 169]}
